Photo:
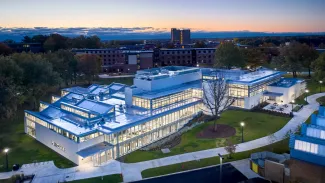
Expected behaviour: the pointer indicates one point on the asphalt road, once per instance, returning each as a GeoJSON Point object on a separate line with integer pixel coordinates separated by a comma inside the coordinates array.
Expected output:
{"type": "Point", "coordinates": [229, 175]}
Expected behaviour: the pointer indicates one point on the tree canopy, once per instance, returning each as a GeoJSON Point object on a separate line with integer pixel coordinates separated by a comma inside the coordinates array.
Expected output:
{"type": "Point", "coordinates": [89, 65]}
{"type": "Point", "coordinates": [253, 57]}
{"type": "Point", "coordinates": [228, 55]}
{"type": "Point", "coordinates": [319, 67]}
{"type": "Point", "coordinates": [4, 49]}
{"type": "Point", "coordinates": [295, 57]}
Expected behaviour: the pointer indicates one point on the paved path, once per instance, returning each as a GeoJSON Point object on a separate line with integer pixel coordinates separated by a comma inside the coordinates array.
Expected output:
{"type": "Point", "coordinates": [48, 173]}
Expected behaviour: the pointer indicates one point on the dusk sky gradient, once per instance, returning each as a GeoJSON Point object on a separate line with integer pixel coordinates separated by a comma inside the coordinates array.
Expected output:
{"type": "Point", "coordinates": [207, 15]}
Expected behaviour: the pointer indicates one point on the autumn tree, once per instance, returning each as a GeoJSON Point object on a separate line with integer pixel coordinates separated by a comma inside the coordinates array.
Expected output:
{"type": "Point", "coordinates": [228, 55]}
{"type": "Point", "coordinates": [89, 65]}
{"type": "Point", "coordinates": [253, 57]}
{"type": "Point", "coordinates": [4, 49]}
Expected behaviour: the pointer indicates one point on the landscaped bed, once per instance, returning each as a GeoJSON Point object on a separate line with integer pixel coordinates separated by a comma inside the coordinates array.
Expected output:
{"type": "Point", "coordinates": [257, 125]}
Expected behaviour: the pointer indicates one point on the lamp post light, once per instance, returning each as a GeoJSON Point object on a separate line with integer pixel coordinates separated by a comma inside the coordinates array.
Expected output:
{"type": "Point", "coordinates": [320, 86]}
{"type": "Point", "coordinates": [220, 176]}
{"type": "Point", "coordinates": [242, 124]}
{"type": "Point", "coordinates": [292, 102]}
{"type": "Point", "coordinates": [306, 91]}
{"type": "Point", "coordinates": [6, 150]}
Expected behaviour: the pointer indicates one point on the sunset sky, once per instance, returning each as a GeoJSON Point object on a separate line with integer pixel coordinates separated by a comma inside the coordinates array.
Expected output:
{"type": "Point", "coordinates": [206, 15]}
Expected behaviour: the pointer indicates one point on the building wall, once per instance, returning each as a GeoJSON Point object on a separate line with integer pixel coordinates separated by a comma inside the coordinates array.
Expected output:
{"type": "Point", "coordinates": [290, 93]}
{"type": "Point", "coordinates": [306, 172]}
{"type": "Point", "coordinates": [205, 56]}
{"type": "Point", "coordinates": [175, 57]}
{"type": "Point", "coordinates": [185, 36]}
{"type": "Point", "coordinates": [166, 82]}
{"type": "Point", "coordinates": [146, 60]}
{"type": "Point", "coordinates": [47, 136]}
{"type": "Point", "coordinates": [253, 101]}
{"type": "Point", "coordinates": [274, 171]}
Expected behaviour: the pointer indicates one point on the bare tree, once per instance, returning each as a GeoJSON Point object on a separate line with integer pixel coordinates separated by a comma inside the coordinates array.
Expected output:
{"type": "Point", "coordinates": [216, 97]}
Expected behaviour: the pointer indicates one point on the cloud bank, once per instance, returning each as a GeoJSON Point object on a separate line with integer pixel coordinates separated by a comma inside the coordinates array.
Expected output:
{"type": "Point", "coordinates": [110, 33]}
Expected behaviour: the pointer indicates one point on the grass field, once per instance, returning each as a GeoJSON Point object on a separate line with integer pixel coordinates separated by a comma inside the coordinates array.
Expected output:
{"type": "Point", "coordinates": [256, 125]}
{"type": "Point", "coordinates": [116, 178]}
{"type": "Point", "coordinates": [25, 149]}
{"type": "Point", "coordinates": [279, 147]}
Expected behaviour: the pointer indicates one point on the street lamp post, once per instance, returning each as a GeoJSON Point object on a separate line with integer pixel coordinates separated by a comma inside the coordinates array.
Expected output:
{"type": "Point", "coordinates": [320, 86]}
{"type": "Point", "coordinates": [6, 152]}
{"type": "Point", "coordinates": [306, 91]}
{"type": "Point", "coordinates": [242, 124]}
{"type": "Point", "coordinates": [220, 176]}
{"type": "Point", "coordinates": [292, 102]}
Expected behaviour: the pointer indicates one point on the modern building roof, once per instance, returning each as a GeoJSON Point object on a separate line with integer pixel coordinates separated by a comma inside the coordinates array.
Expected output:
{"type": "Point", "coordinates": [103, 146]}
{"type": "Point", "coordinates": [286, 82]}
{"type": "Point", "coordinates": [272, 94]}
{"type": "Point", "coordinates": [169, 91]}
{"type": "Point", "coordinates": [82, 111]}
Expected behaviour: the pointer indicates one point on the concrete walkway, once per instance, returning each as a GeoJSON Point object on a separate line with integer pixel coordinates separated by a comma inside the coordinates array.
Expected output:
{"type": "Point", "coordinates": [132, 171]}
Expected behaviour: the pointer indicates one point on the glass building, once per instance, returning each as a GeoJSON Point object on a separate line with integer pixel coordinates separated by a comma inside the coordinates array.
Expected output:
{"type": "Point", "coordinates": [309, 146]}
{"type": "Point", "coordinates": [100, 123]}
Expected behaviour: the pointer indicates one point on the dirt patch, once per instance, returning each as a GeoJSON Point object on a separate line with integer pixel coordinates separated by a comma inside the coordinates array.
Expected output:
{"type": "Point", "coordinates": [223, 131]}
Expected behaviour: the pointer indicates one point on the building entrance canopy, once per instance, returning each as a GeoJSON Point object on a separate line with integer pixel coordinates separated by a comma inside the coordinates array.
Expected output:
{"type": "Point", "coordinates": [103, 146]}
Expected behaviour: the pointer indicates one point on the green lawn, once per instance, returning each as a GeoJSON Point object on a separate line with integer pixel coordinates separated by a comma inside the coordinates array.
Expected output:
{"type": "Point", "coordinates": [25, 149]}
{"type": "Point", "coordinates": [256, 125]}
{"type": "Point", "coordinates": [279, 147]}
{"type": "Point", "coordinates": [116, 178]}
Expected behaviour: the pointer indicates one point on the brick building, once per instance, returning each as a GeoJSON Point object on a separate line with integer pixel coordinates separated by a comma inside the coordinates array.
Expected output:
{"type": "Point", "coordinates": [129, 61]}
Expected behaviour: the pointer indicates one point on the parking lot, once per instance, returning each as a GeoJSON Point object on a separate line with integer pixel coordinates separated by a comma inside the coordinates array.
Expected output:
{"type": "Point", "coordinates": [229, 175]}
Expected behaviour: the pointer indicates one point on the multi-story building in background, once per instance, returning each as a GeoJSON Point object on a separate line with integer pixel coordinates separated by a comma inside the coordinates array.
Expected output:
{"type": "Point", "coordinates": [181, 36]}
{"type": "Point", "coordinates": [120, 60]}
{"type": "Point", "coordinates": [185, 36]}
{"type": "Point", "coordinates": [129, 61]}
{"type": "Point", "coordinates": [175, 35]}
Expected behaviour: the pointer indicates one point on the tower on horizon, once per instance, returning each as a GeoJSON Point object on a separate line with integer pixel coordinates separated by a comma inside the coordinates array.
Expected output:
{"type": "Point", "coordinates": [182, 36]}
